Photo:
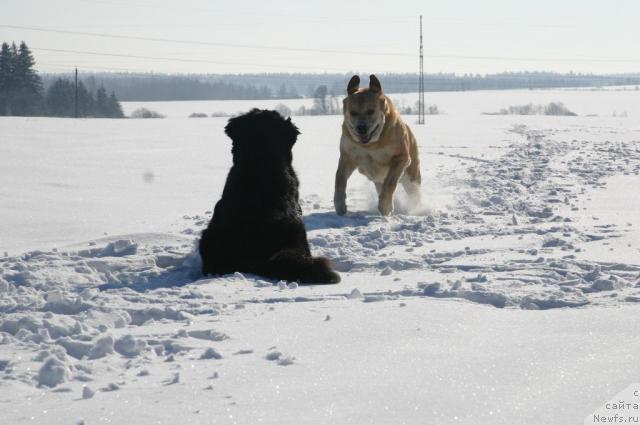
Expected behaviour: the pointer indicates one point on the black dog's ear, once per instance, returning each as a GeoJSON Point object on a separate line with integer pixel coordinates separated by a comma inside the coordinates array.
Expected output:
{"type": "Point", "coordinates": [234, 128]}
{"type": "Point", "coordinates": [292, 131]}
{"type": "Point", "coordinates": [374, 83]}
{"type": "Point", "coordinates": [293, 127]}
{"type": "Point", "coordinates": [354, 84]}
{"type": "Point", "coordinates": [241, 127]}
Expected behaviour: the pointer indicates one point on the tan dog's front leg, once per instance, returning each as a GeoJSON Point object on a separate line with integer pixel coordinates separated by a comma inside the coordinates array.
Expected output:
{"type": "Point", "coordinates": [385, 201]}
{"type": "Point", "coordinates": [345, 169]}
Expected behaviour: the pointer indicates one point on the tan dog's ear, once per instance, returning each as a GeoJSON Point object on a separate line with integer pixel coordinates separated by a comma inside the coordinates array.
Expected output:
{"type": "Point", "coordinates": [354, 84]}
{"type": "Point", "coordinates": [385, 106]}
{"type": "Point", "coordinates": [374, 83]}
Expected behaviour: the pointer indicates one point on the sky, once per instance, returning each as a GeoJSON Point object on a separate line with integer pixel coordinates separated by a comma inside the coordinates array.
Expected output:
{"type": "Point", "coordinates": [200, 36]}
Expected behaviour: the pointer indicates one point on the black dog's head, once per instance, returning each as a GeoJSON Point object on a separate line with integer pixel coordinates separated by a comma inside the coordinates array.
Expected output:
{"type": "Point", "coordinates": [261, 135]}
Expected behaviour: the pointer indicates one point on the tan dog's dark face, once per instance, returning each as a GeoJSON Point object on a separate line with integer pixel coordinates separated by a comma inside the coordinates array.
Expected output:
{"type": "Point", "coordinates": [364, 110]}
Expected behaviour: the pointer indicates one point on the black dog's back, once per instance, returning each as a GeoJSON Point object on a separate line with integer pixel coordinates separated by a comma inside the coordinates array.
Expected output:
{"type": "Point", "coordinates": [257, 225]}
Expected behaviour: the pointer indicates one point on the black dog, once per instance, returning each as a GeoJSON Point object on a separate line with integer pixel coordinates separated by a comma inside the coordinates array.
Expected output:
{"type": "Point", "coordinates": [257, 225]}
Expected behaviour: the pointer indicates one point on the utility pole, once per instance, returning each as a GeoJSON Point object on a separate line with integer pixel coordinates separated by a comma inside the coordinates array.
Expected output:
{"type": "Point", "coordinates": [76, 96]}
{"type": "Point", "coordinates": [421, 81]}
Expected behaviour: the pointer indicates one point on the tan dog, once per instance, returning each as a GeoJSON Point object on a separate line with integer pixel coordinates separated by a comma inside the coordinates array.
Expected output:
{"type": "Point", "coordinates": [378, 143]}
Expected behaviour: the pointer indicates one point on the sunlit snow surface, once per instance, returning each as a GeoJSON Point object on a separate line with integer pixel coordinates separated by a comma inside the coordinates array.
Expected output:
{"type": "Point", "coordinates": [510, 296]}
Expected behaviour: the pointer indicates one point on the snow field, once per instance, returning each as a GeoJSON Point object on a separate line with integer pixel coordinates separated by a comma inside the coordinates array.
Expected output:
{"type": "Point", "coordinates": [511, 297]}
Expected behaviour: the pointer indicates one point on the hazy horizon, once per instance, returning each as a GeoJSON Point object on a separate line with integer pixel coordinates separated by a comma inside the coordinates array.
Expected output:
{"type": "Point", "coordinates": [203, 37]}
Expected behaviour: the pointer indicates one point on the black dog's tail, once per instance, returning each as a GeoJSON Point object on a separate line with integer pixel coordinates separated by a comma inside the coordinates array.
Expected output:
{"type": "Point", "coordinates": [291, 265]}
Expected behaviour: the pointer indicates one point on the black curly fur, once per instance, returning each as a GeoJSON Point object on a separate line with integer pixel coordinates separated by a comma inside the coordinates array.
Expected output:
{"type": "Point", "coordinates": [257, 225]}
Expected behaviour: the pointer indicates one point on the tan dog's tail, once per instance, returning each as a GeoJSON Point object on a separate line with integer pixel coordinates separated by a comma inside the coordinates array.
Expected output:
{"type": "Point", "coordinates": [292, 265]}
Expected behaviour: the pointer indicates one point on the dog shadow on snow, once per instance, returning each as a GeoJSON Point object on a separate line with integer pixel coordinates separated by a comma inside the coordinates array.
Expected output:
{"type": "Point", "coordinates": [187, 269]}
{"type": "Point", "coordinates": [330, 220]}
{"type": "Point", "coordinates": [179, 272]}
{"type": "Point", "coordinates": [366, 211]}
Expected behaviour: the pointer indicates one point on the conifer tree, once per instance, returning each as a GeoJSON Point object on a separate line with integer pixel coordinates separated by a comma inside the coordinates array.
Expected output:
{"type": "Point", "coordinates": [24, 68]}
{"type": "Point", "coordinates": [21, 90]}
{"type": "Point", "coordinates": [115, 109]}
{"type": "Point", "coordinates": [28, 97]}
{"type": "Point", "coordinates": [6, 78]}
{"type": "Point", "coordinates": [102, 106]}
{"type": "Point", "coordinates": [86, 102]}
{"type": "Point", "coordinates": [60, 98]}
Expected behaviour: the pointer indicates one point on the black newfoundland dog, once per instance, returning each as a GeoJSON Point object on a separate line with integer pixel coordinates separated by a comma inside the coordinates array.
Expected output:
{"type": "Point", "coordinates": [257, 225]}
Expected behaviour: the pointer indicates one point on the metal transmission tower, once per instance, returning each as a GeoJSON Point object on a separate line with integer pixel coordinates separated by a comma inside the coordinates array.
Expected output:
{"type": "Point", "coordinates": [421, 81]}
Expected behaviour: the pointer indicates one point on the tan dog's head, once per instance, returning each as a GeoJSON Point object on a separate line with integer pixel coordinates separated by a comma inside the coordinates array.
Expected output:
{"type": "Point", "coordinates": [364, 110]}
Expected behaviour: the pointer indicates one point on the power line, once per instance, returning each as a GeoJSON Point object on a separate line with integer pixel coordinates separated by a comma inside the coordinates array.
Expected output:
{"type": "Point", "coordinates": [99, 68]}
{"type": "Point", "coordinates": [206, 43]}
{"type": "Point", "coordinates": [387, 19]}
{"type": "Point", "coordinates": [170, 59]}
{"type": "Point", "coordinates": [535, 59]}
{"type": "Point", "coordinates": [433, 56]}
{"type": "Point", "coordinates": [396, 19]}
{"type": "Point", "coordinates": [284, 48]}
{"type": "Point", "coordinates": [313, 50]}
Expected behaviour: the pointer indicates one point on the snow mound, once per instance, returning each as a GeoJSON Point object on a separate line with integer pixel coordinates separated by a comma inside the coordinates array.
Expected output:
{"type": "Point", "coordinates": [52, 372]}
{"type": "Point", "coordinates": [210, 353]}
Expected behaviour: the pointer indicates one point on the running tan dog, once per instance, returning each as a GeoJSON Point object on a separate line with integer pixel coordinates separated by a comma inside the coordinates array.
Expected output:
{"type": "Point", "coordinates": [378, 143]}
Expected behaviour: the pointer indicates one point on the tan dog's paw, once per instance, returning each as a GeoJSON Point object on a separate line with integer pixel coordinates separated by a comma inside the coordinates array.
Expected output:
{"type": "Point", "coordinates": [385, 205]}
{"type": "Point", "coordinates": [341, 206]}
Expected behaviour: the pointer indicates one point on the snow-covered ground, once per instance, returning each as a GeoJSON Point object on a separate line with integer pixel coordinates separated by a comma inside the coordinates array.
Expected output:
{"type": "Point", "coordinates": [510, 297]}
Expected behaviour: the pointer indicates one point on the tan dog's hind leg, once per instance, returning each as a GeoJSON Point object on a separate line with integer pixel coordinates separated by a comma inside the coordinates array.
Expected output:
{"type": "Point", "coordinates": [412, 178]}
{"type": "Point", "coordinates": [412, 187]}
{"type": "Point", "coordinates": [397, 167]}
{"type": "Point", "coordinates": [411, 182]}
{"type": "Point", "coordinates": [345, 169]}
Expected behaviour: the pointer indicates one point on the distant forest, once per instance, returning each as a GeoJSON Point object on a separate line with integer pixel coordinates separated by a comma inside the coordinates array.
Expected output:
{"type": "Point", "coordinates": [23, 94]}
{"type": "Point", "coordinates": [150, 87]}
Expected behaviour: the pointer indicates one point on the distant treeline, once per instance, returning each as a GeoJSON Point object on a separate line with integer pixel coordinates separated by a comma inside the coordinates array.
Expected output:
{"type": "Point", "coordinates": [61, 101]}
{"type": "Point", "coordinates": [149, 87]}
{"type": "Point", "coordinates": [155, 87]}
{"type": "Point", "coordinates": [23, 94]}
